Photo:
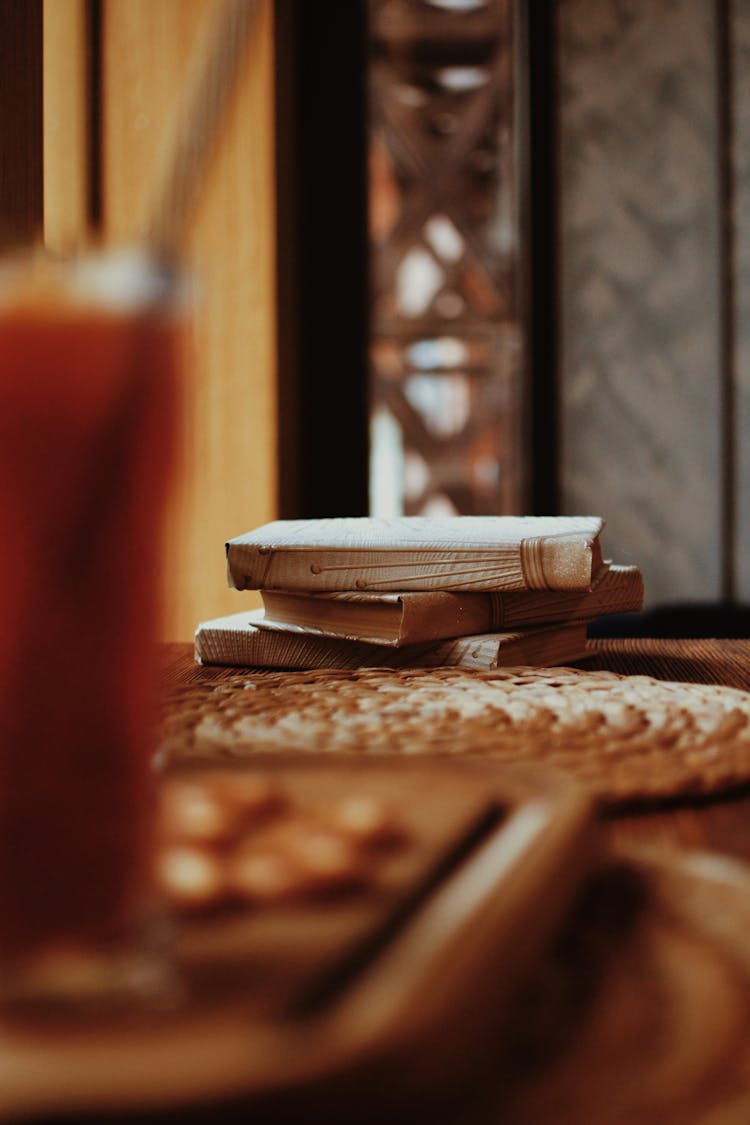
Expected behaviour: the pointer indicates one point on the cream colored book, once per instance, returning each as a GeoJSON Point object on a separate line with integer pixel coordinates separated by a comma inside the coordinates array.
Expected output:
{"type": "Point", "coordinates": [419, 616]}
{"type": "Point", "coordinates": [418, 553]}
{"type": "Point", "coordinates": [237, 641]}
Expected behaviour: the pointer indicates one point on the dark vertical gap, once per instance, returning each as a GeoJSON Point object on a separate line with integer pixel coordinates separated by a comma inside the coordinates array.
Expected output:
{"type": "Point", "coordinates": [286, 46]}
{"type": "Point", "coordinates": [521, 126]}
{"type": "Point", "coordinates": [94, 108]}
{"type": "Point", "coordinates": [21, 145]}
{"type": "Point", "coordinates": [725, 89]}
{"type": "Point", "coordinates": [322, 257]}
{"type": "Point", "coordinates": [539, 57]}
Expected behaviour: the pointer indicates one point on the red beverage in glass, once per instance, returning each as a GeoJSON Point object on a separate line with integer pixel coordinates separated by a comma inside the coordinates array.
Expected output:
{"type": "Point", "coordinates": [88, 366]}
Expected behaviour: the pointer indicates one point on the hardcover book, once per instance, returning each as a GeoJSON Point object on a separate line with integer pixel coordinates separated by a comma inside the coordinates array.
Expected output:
{"type": "Point", "coordinates": [418, 553]}
{"type": "Point", "coordinates": [237, 641]}
{"type": "Point", "coordinates": [416, 616]}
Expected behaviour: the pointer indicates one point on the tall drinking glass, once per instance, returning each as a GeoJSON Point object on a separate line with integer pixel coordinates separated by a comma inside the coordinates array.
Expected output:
{"type": "Point", "coordinates": [89, 360]}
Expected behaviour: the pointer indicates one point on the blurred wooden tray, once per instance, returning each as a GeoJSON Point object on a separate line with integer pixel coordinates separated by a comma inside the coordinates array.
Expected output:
{"type": "Point", "coordinates": [381, 998]}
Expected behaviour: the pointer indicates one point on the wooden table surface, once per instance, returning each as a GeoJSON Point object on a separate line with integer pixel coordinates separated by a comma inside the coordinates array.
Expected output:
{"type": "Point", "coordinates": [720, 823]}
{"type": "Point", "coordinates": [642, 977]}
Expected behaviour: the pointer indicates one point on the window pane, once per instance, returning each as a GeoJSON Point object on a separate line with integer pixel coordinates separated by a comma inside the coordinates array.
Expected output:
{"type": "Point", "coordinates": [446, 348]}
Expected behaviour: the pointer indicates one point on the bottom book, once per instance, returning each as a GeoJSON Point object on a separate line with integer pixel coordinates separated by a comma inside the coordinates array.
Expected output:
{"type": "Point", "coordinates": [236, 641]}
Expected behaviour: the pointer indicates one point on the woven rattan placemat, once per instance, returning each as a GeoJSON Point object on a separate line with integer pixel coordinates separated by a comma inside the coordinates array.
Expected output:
{"type": "Point", "coordinates": [627, 736]}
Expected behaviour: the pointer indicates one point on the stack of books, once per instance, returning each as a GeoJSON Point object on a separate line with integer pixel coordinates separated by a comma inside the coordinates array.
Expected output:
{"type": "Point", "coordinates": [479, 592]}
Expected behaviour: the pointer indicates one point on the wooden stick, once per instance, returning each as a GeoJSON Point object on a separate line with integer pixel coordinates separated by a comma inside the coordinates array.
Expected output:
{"type": "Point", "coordinates": [194, 128]}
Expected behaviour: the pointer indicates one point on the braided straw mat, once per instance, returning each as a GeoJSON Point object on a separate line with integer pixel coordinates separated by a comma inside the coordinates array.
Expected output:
{"type": "Point", "coordinates": [627, 737]}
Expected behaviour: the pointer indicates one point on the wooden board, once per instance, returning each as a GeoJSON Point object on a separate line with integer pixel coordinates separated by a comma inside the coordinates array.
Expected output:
{"type": "Point", "coordinates": [227, 476]}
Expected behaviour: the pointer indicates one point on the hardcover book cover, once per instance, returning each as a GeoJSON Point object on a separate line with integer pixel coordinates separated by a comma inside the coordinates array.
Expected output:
{"type": "Point", "coordinates": [413, 617]}
{"type": "Point", "coordinates": [419, 553]}
{"type": "Point", "coordinates": [237, 641]}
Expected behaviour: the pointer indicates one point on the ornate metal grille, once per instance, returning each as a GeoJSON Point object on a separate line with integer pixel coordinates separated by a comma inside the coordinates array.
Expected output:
{"type": "Point", "coordinates": [445, 237]}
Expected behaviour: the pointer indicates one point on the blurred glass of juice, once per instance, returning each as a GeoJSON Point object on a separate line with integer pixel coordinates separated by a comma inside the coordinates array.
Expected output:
{"type": "Point", "coordinates": [89, 365]}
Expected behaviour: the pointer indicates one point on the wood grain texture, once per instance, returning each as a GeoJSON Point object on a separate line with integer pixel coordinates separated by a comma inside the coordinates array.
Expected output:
{"type": "Point", "coordinates": [228, 474]}
{"type": "Point", "coordinates": [419, 553]}
{"type": "Point", "coordinates": [241, 640]}
{"type": "Point", "coordinates": [715, 825]}
{"type": "Point", "coordinates": [65, 140]}
{"type": "Point", "coordinates": [639, 284]}
{"type": "Point", "coordinates": [408, 618]}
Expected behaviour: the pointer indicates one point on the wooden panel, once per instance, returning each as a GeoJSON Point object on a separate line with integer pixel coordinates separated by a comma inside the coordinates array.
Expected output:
{"type": "Point", "coordinates": [740, 188]}
{"type": "Point", "coordinates": [65, 124]}
{"type": "Point", "coordinates": [229, 478]}
{"type": "Point", "coordinates": [640, 285]}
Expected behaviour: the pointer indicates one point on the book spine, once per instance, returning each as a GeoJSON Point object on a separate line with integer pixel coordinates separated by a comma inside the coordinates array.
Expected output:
{"type": "Point", "coordinates": [558, 562]}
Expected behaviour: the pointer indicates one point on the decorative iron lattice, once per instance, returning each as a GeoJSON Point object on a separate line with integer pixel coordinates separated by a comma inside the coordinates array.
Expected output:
{"type": "Point", "coordinates": [446, 339]}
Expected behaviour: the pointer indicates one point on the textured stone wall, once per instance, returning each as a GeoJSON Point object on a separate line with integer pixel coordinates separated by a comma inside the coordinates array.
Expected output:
{"type": "Point", "coordinates": [740, 184]}
{"type": "Point", "coordinates": [641, 285]}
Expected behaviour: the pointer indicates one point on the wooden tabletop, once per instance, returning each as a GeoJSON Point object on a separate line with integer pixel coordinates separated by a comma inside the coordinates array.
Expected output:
{"type": "Point", "coordinates": [720, 823]}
